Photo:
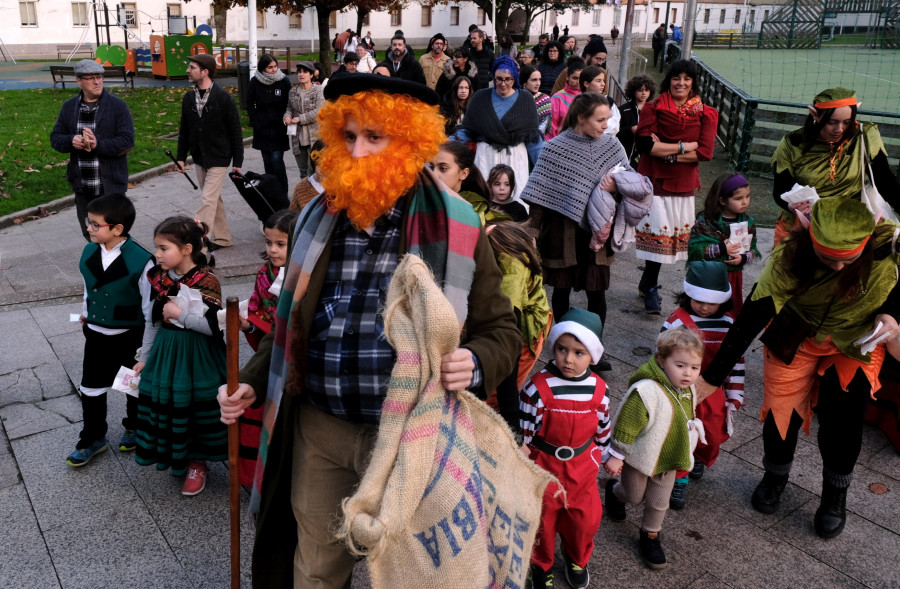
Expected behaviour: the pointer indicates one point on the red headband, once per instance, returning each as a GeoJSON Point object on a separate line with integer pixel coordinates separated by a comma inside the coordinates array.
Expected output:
{"type": "Point", "coordinates": [835, 103]}
{"type": "Point", "coordinates": [835, 253]}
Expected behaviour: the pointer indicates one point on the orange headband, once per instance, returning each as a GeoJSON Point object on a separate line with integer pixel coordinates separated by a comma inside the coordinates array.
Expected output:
{"type": "Point", "coordinates": [835, 253]}
{"type": "Point", "coordinates": [835, 103]}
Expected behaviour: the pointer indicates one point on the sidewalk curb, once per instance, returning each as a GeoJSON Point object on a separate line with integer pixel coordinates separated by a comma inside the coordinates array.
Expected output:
{"type": "Point", "coordinates": [59, 204]}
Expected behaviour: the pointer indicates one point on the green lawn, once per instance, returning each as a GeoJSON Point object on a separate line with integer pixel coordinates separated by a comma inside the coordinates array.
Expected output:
{"type": "Point", "coordinates": [33, 173]}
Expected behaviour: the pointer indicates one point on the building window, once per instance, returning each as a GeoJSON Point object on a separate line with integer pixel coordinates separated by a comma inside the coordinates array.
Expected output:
{"type": "Point", "coordinates": [28, 14]}
{"type": "Point", "coordinates": [332, 20]}
{"type": "Point", "coordinates": [260, 19]}
{"type": "Point", "coordinates": [482, 17]}
{"type": "Point", "coordinates": [656, 15]}
{"type": "Point", "coordinates": [295, 21]}
{"type": "Point", "coordinates": [426, 16]}
{"type": "Point", "coordinates": [454, 16]}
{"type": "Point", "coordinates": [174, 9]}
{"type": "Point", "coordinates": [737, 16]}
{"type": "Point", "coordinates": [722, 16]}
{"type": "Point", "coordinates": [130, 9]}
{"type": "Point", "coordinates": [752, 18]}
{"type": "Point", "coordinates": [595, 21]}
{"type": "Point", "coordinates": [396, 17]}
{"type": "Point", "coordinates": [576, 14]}
{"type": "Point", "coordinates": [79, 14]}
{"type": "Point", "coordinates": [674, 15]}
{"type": "Point", "coordinates": [706, 16]}
{"type": "Point", "coordinates": [766, 15]}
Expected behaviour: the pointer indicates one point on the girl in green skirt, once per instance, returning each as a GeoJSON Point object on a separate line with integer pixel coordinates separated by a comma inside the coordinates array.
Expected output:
{"type": "Point", "coordinates": [182, 360]}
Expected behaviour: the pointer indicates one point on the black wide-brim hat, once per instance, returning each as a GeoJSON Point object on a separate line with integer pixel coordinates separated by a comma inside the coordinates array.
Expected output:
{"type": "Point", "coordinates": [347, 84]}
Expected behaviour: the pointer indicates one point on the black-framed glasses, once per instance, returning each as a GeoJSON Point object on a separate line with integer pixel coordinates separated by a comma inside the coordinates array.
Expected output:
{"type": "Point", "coordinates": [504, 80]}
{"type": "Point", "coordinates": [91, 78]}
{"type": "Point", "coordinates": [95, 225]}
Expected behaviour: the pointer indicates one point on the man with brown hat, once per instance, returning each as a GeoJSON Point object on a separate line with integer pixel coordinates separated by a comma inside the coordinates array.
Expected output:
{"type": "Point", "coordinates": [211, 131]}
{"type": "Point", "coordinates": [96, 130]}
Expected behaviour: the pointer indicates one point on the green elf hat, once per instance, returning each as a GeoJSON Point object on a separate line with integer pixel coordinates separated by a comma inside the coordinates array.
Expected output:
{"type": "Point", "coordinates": [840, 227]}
{"type": "Point", "coordinates": [834, 98]}
{"type": "Point", "coordinates": [707, 282]}
{"type": "Point", "coordinates": [585, 326]}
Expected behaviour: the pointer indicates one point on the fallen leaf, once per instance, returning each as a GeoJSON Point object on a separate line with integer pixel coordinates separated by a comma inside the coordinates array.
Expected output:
{"type": "Point", "coordinates": [18, 221]}
{"type": "Point", "coordinates": [641, 351]}
{"type": "Point", "coordinates": [132, 185]}
{"type": "Point", "coordinates": [30, 170]}
{"type": "Point", "coordinates": [4, 194]}
{"type": "Point", "coordinates": [10, 143]}
{"type": "Point", "coordinates": [161, 114]}
{"type": "Point", "coordinates": [694, 534]}
{"type": "Point", "coordinates": [143, 162]}
{"type": "Point", "coordinates": [878, 488]}
{"type": "Point", "coordinates": [48, 167]}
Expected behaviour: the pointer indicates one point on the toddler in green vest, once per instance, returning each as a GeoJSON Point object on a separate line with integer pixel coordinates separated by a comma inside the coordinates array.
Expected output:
{"type": "Point", "coordinates": [654, 436]}
{"type": "Point", "coordinates": [115, 308]}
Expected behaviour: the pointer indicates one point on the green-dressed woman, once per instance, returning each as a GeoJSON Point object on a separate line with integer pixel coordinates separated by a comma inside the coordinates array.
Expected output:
{"type": "Point", "coordinates": [827, 154]}
{"type": "Point", "coordinates": [830, 294]}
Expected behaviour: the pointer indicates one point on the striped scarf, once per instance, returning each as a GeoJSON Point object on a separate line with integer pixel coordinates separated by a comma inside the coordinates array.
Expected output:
{"type": "Point", "coordinates": [441, 228]}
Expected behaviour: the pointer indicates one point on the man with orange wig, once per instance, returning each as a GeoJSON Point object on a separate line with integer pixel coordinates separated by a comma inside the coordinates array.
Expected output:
{"type": "Point", "coordinates": [323, 371]}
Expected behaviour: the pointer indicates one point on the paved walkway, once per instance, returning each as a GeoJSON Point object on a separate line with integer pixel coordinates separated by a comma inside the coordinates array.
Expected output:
{"type": "Point", "coordinates": [115, 524]}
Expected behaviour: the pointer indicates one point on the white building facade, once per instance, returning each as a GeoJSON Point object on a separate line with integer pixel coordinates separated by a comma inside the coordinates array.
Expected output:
{"type": "Point", "coordinates": [34, 28]}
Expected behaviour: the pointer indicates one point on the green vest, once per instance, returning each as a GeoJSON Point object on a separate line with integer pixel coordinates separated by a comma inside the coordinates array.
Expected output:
{"type": "Point", "coordinates": [113, 295]}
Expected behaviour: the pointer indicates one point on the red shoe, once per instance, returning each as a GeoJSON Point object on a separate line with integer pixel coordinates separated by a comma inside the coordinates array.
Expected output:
{"type": "Point", "coordinates": [195, 481]}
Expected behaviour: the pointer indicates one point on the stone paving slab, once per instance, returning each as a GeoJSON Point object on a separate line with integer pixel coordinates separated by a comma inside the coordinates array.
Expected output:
{"type": "Point", "coordinates": [24, 559]}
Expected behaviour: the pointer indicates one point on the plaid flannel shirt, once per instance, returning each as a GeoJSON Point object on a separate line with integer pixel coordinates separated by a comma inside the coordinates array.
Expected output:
{"type": "Point", "coordinates": [349, 359]}
{"type": "Point", "coordinates": [88, 161]}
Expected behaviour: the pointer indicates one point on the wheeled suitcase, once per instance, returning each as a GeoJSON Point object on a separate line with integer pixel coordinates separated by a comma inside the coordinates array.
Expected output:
{"type": "Point", "coordinates": [262, 192]}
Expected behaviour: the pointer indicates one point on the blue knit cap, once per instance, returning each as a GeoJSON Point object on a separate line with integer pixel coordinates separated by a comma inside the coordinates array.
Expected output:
{"type": "Point", "coordinates": [505, 62]}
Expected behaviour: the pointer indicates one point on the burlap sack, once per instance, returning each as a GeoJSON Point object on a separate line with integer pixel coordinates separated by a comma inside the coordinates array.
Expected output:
{"type": "Point", "coordinates": [448, 500]}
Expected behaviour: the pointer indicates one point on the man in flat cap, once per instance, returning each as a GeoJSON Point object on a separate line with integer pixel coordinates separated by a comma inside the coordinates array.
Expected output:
{"type": "Point", "coordinates": [433, 61]}
{"type": "Point", "coordinates": [324, 370]}
{"type": "Point", "coordinates": [211, 131]}
{"type": "Point", "coordinates": [96, 130]}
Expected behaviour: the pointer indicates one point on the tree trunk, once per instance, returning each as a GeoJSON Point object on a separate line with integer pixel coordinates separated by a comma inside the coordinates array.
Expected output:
{"type": "Point", "coordinates": [527, 29]}
{"type": "Point", "coordinates": [360, 16]}
{"type": "Point", "coordinates": [325, 49]}
{"type": "Point", "coordinates": [220, 20]}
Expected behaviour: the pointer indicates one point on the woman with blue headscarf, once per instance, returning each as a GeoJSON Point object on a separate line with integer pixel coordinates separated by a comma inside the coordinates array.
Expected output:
{"type": "Point", "coordinates": [503, 123]}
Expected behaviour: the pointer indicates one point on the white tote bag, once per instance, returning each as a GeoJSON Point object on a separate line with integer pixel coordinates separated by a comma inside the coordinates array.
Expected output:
{"type": "Point", "coordinates": [870, 195]}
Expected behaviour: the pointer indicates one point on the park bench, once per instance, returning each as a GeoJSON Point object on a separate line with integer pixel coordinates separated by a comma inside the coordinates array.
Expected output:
{"type": "Point", "coordinates": [113, 74]}
{"type": "Point", "coordinates": [63, 50]}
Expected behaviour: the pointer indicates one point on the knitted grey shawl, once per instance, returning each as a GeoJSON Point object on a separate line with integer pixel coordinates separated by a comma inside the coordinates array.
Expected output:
{"type": "Point", "coordinates": [568, 169]}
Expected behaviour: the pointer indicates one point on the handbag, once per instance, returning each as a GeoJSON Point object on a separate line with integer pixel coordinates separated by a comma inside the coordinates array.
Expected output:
{"type": "Point", "coordinates": [870, 195]}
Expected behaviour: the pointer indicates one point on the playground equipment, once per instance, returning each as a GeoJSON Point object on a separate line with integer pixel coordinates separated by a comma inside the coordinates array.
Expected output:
{"type": "Point", "coordinates": [169, 53]}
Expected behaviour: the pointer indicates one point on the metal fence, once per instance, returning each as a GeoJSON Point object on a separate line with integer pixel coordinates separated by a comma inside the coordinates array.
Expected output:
{"type": "Point", "coordinates": [750, 128]}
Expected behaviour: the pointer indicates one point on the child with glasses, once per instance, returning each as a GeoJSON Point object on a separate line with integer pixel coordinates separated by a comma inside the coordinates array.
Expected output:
{"type": "Point", "coordinates": [115, 308]}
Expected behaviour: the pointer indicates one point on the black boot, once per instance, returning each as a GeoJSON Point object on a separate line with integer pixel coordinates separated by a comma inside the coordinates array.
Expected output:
{"type": "Point", "coordinates": [768, 492]}
{"type": "Point", "coordinates": [651, 551]}
{"type": "Point", "coordinates": [832, 513]}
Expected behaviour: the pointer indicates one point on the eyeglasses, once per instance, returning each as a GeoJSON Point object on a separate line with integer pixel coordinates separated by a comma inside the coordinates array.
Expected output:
{"type": "Point", "coordinates": [504, 80]}
{"type": "Point", "coordinates": [95, 225]}
{"type": "Point", "coordinates": [90, 78]}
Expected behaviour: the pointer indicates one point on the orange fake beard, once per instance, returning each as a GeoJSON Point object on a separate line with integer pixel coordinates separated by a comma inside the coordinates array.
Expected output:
{"type": "Point", "coordinates": [368, 187]}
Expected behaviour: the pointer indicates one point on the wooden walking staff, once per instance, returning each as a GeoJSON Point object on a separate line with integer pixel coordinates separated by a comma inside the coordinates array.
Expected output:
{"type": "Point", "coordinates": [232, 347]}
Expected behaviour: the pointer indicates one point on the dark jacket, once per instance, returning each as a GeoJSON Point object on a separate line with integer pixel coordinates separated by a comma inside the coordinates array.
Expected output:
{"type": "Point", "coordinates": [490, 332]}
{"type": "Point", "coordinates": [215, 139]}
{"type": "Point", "coordinates": [549, 72]}
{"type": "Point", "coordinates": [659, 39]}
{"type": "Point", "coordinates": [630, 118]}
{"type": "Point", "coordinates": [408, 69]}
{"type": "Point", "coordinates": [445, 82]}
{"type": "Point", "coordinates": [540, 51]}
{"type": "Point", "coordinates": [114, 130]}
{"type": "Point", "coordinates": [484, 59]}
{"type": "Point", "coordinates": [265, 107]}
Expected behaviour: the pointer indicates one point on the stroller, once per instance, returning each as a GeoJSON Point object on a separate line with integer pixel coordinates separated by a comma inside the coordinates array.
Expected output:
{"type": "Point", "coordinates": [262, 192]}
